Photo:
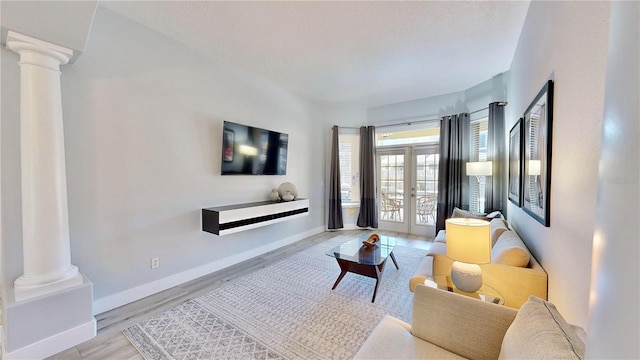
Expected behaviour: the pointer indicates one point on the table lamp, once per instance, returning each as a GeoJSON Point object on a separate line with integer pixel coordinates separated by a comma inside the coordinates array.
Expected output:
{"type": "Point", "coordinates": [479, 168]}
{"type": "Point", "coordinates": [534, 167]}
{"type": "Point", "coordinates": [469, 244]}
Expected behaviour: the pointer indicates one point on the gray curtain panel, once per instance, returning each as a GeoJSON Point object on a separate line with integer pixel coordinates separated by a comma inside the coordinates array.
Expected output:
{"type": "Point", "coordinates": [335, 197]}
{"type": "Point", "coordinates": [453, 185]}
{"type": "Point", "coordinates": [496, 153]}
{"type": "Point", "coordinates": [368, 198]}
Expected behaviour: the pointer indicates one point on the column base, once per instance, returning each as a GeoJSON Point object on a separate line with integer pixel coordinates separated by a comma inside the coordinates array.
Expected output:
{"type": "Point", "coordinates": [46, 325]}
{"type": "Point", "coordinates": [28, 288]}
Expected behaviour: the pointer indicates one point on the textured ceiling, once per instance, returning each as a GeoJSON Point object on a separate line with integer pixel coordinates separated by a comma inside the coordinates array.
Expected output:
{"type": "Point", "coordinates": [370, 52]}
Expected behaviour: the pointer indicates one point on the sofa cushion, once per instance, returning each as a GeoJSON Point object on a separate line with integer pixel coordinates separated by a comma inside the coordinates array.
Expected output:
{"type": "Point", "coordinates": [510, 250]}
{"type": "Point", "coordinates": [424, 271]}
{"type": "Point", "coordinates": [392, 339]}
{"type": "Point", "coordinates": [459, 213]}
{"type": "Point", "coordinates": [498, 226]}
{"type": "Point", "coordinates": [540, 332]}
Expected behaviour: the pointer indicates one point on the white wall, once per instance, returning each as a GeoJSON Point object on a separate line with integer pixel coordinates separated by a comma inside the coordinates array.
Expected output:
{"type": "Point", "coordinates": [431, 107]}
{"type": "Point", "coordinates": [143, 121]}
{"type": "Point", "coordinates": [434, 107]}
{"type": "Point", "coordinates": [66, 23]}
{"type": "Point", "coordinates": [615, 295]}
{"type": "Point", "coordinates": [566, 42]}
{"type": "Point", "coordinates": [10, 161]}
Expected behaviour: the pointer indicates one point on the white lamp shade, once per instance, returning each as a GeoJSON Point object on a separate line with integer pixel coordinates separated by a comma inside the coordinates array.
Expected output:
{"type": "Point", "coordinates": [479, 168]}
{"type": "Point", "coordinates": [468, 240]}
{"type": "Point", "coordinates": [534, 167]}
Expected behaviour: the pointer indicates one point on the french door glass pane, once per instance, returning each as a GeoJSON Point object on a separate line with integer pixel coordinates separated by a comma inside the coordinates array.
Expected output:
{"type": "Point", "coordinates": [392, 186]}
{"type": "Point", "coordinates": [426, 188]}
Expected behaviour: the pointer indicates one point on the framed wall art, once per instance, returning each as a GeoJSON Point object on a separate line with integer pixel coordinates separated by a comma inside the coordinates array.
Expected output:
{"type": "Point", "coordinates": [515, 163]}
{"type": "Point", "coordinates": [538, 129]}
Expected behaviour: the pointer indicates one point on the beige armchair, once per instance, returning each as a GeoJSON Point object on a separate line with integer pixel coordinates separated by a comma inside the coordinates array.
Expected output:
{"type": "Point", "coordinates": [444, 326]}
{"type": "Point", "coordinates": [447, 325]}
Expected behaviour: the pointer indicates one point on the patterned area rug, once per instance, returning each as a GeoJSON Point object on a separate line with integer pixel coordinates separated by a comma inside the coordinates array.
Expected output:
{"type": "Point", "coordinates": [284, 311]}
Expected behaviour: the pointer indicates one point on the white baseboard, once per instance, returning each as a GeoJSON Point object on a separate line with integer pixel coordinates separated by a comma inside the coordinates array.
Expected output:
{"type": "Point", "coordinates": [54, 344]}
{"type": "Point", "coordinates": [125, 297]}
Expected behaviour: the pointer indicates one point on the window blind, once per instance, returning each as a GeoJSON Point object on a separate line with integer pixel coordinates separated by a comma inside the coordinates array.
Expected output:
{"type": "Point", "coordinates": [477, 152]}
{"type": "Point", "coordinates": [349, 145]}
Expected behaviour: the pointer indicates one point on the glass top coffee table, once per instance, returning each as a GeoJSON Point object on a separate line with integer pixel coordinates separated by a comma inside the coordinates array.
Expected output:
{"type": "Point", "coordinates": [354, 257]}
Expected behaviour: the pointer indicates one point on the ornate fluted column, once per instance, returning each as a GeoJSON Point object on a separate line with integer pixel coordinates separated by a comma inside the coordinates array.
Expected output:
{"type": "Point", "coordinates": [45, 218]}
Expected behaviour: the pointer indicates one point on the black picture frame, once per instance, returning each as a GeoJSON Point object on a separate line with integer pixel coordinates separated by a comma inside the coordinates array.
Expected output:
{"type": "Point", "coordinates": [515, 162]}
{"type": "Point", "coordinates": [538, 131]}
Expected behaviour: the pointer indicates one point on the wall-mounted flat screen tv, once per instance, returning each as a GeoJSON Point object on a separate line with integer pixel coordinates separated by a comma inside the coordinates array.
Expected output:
{"type": "Point", "coordinates": [248, 150]}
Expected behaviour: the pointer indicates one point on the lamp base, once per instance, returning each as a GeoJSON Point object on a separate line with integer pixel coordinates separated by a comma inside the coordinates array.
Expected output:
{"type": "Point", "coordinates": [466, 277]}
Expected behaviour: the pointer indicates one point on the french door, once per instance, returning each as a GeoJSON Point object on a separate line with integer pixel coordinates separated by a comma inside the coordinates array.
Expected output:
{"type": "Point", "coordinates": [408, 188]}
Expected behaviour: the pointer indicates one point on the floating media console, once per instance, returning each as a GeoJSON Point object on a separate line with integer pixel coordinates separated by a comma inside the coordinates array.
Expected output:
{"type": "Point", "coordinates": [229, 219]}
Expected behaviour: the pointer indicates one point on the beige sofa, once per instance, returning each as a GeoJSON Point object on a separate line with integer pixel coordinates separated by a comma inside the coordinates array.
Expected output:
{"type": "Point", "coordinates": [513, 271]}
{"type": "Point", "coordinates": [447, 325]}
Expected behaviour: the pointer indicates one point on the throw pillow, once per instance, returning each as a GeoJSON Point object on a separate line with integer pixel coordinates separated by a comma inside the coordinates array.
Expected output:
{"type": "Point", "coordinates": [540, 332]}
{"type": "Point", "coordinates": [459, 213]}
{"type": "Point", "coordinates": [510, 250]}
{"type": "Point", "coordinates": [498, 227]}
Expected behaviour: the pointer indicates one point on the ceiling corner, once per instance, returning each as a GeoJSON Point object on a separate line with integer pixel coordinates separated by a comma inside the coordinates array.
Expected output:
{"type": "Point", "coordinates": [66, 23]}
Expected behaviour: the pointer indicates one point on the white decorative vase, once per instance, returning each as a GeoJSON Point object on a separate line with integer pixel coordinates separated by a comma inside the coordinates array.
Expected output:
{"type": "Point", "coordinates": [287, 187]}
{"type": "Point", "coordinates": [287, 197]}
{"type": "Point", "coordinates": [274, 195]}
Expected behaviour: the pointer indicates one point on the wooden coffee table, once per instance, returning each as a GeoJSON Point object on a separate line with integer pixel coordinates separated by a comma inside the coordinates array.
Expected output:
{"type": "Point", "coordinates": [354, 257]}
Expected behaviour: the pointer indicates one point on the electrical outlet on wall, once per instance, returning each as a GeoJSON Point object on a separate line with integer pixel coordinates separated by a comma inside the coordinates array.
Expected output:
{"type": "Point", "coordinates": [155, 262]}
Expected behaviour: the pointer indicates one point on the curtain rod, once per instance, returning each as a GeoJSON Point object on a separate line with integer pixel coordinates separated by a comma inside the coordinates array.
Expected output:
{"type": "Point", "coordinates": [407, 121]}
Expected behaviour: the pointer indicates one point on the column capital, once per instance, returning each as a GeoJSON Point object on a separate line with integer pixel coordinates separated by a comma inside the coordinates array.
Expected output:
{"type": "Point", "coordinates": [19, 43]}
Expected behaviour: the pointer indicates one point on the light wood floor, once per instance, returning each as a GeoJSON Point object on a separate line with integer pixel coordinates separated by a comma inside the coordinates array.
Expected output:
{"type": "Point", "coordinates": [111, 344]}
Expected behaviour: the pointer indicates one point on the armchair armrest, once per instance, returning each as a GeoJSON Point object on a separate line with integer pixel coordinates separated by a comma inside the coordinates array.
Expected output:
{"type": "Point", "coordinates": [465, 326]}
{"type": "Point", "coordinates": [442, 264]}
{"type": "Point", "coordinates": [422, 272]}
{"type": "Point", "coordinates": [516, 284]}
